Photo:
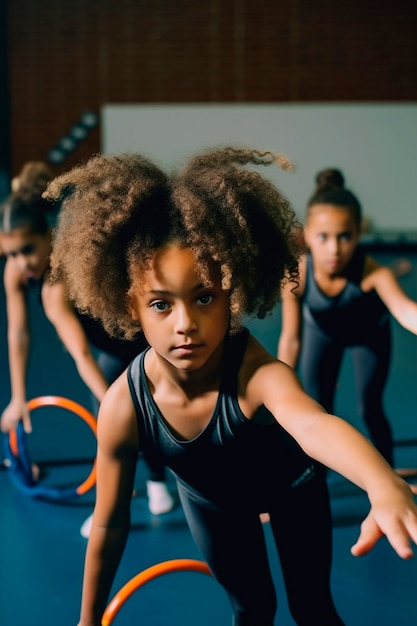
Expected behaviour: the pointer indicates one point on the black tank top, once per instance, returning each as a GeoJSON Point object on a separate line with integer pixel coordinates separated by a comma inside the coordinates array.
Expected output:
{"type": "Point", "coordinates": [353, 314]}
{"type": "Point", "coordinates": [233, 460]}
{"type": "Point", "coordinates": [121, 348]}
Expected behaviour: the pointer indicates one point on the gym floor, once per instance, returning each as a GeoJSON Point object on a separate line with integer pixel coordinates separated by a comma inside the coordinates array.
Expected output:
{"type": "Point", "coordinates": [42, 552]}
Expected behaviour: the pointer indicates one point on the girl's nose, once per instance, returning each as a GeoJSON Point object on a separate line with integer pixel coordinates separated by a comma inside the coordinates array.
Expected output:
{"type": "Point", "coordinates": [22, 262]}
{"type": "Point", "coordinates": [333, 245]}
{"type": "Point", "coordinates": [185, 322]}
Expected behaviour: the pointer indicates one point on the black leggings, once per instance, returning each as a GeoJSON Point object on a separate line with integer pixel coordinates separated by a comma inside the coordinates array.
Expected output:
{"type": "Point", "coordinates": [319, 367]}
{"type": "Point", "coordinates": [233, 544]}
{"type": "Point", "coordinates": [112, 366]}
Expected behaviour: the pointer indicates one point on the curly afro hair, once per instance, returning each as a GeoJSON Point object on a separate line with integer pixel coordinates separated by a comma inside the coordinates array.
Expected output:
{"type": "Point", "coordinates": [117, 210]}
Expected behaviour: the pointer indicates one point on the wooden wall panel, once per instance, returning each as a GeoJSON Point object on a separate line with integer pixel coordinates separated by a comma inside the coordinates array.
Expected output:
{"type": "Point", "coordinates": [66, 58]}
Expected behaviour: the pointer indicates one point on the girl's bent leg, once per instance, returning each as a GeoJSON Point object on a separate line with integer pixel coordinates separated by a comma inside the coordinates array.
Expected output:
{"type": "Point", "coordinates": [319, 366]}
{"type": "Point", "coordinates": [233, 546]}
{"type": "Point", "coordinates": [371, 368]}
{"type": "Point", "coordinates": [303, 533]}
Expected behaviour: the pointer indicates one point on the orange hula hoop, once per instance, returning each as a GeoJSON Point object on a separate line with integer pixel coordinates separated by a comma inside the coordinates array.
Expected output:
{"type": "Point", "coordinates": [73, 407]}
{"type": "Point", "coordinates": [160, 569]}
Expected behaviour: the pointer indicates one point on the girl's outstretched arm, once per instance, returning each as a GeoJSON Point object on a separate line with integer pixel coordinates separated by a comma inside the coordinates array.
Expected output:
{"type": "Point", "coordinates": [116, 465]}
{"type": "Point", "coordinates": [400, 305]}
{"type": "Point", "coordinates": [62, 316]}
{"type": "Point", "coordinates": [18, 341]}
{"type": "Point", "coordinates": [335, 443]}
{"type": "Point", "coordinates": [289, 341]}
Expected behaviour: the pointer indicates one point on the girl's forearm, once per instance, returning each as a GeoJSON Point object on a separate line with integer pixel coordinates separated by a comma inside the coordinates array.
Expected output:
{"type": "Point", "coordinates": [18, 362]}
{"type": "Point", "coordinates": [288, 351]}
{"type": "Point", "coordinates": [104, 552]}
{"type": "Point", "coordinates": [339, 446]}
{"type": "Point", "coordinates": [92, 376]}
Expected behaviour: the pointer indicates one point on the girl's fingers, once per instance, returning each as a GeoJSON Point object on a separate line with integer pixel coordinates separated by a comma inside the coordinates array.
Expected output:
{"type": "Point", "coordinates": [399, 538]}
{"type": "Point", "coordinates": [401, 544]}
{"type": "Point", "coordinates": [27, 424]}
{"type": "Point", "coordinates": [368, 537]}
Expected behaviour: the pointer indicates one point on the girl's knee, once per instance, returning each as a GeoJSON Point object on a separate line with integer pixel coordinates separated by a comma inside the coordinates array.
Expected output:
{"type": "Point", "coordinates": [258, 617]}
{"type": "Point", "coordinates": [254, 608]}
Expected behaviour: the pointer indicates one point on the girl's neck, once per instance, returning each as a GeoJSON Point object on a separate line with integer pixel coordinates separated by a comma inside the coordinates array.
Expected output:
{"type": "Point", "coordinates": [330, 284]}
{"type": "Point", "coordinates": [191, 383]}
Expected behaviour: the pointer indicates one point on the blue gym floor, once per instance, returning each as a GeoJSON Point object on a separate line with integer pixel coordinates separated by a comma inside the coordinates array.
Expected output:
{"type": "Point", "coordinates": [42, 552]}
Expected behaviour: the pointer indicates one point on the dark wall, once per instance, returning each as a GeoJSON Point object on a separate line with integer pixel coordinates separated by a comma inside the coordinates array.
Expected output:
{"type": "Point", "coordinates": [66, 58]}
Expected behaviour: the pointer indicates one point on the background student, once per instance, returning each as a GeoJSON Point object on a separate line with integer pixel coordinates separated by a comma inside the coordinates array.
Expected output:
{"type": "Point", "coordinates": [344, 301]}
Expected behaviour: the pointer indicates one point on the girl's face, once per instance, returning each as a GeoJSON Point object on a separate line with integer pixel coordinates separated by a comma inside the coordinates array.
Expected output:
{"type": "Point", "coordinates": [29, 251]}
{"type": "Point", "coordinates": [183, 320]}
{"type": "Point", "coordinates": [332, 235]}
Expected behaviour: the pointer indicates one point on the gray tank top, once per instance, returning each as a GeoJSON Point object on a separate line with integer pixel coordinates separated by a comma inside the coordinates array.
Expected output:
{"type": "Point", "coordinates": [353, 314]}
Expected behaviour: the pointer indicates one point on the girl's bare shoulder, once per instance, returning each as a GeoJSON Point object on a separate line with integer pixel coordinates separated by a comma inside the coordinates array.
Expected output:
{"type": "Point", "coordinates": [374, 273]}
{"type": "Point", "coordinates": [256, 359]}
{"type": "Point", "coordinates": [261, 373]}
{"type": "Point", "coordinates": [53, 291]}
{"type": "Point", "coordinates": [13, 277]}
{"type": "Point", "coordinates": [117, 424]}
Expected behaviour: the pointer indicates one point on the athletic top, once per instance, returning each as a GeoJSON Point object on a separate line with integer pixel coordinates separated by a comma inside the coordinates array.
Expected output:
{"type": "Point", "coordinates": [349, 316]}
{"type": "Point", "coordinates": [96, 335]}
{"type": "Point", "coordinates": [233, 461]}
{"type": "Point", "coordinates": [121, 348]}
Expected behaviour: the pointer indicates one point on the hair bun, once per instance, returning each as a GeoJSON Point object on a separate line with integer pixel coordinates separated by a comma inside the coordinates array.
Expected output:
{"type": "Point", "coordinates": [32, 180]}
{"type": "Point", "coordinates": [330, 177]}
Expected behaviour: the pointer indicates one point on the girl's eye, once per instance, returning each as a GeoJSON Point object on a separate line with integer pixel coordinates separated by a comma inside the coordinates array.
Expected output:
{"type": "Point", "coordinates": [28, 249]}
{"type": "Point", "coordinates": [159, 306]}
{"type": "Point", "coordinates": [205, 298]}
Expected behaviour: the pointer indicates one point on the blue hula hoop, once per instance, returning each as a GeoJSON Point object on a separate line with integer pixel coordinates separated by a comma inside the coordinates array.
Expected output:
{"type": "Point", "coordinates": [19, 465]}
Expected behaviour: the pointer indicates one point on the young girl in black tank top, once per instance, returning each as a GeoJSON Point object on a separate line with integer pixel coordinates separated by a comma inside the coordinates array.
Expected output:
{"type": "Point", "coordinates": [343, 302]}
{"type": "Point", "coordinates": [190, 254]}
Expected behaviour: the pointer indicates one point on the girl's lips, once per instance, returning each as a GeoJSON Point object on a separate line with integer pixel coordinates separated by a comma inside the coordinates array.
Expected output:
{"type": "Point", "coordinates": [333, 263]}
{"type": "Point", "coordinates": [189, 347]}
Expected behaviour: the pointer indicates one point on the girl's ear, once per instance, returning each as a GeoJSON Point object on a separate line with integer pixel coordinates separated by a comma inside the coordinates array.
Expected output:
{"type": "Point", "coordinates": [134, 314]}
{"type": "Point", "coordinates": [132, 306]}
{"type": "Point", "coordinates": [306, 235]}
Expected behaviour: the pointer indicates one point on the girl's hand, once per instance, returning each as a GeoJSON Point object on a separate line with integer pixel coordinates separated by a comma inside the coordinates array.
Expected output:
{"type": "Point", "coordinates": [15, 412]}
{"type": "Point", "coordinates": [395, 516]}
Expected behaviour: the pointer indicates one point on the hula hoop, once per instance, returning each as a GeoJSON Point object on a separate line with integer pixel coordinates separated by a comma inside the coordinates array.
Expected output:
{"type": "Point", "coordinates": [160, 569]}
{"type": "Point", "coordinates": [20, 466]}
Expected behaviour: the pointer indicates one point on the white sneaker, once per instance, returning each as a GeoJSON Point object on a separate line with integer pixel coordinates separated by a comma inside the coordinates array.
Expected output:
{"type": "Point", "coordinates": [159, 499]}
{"type": "Point", "coordinates": [85, 529]}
